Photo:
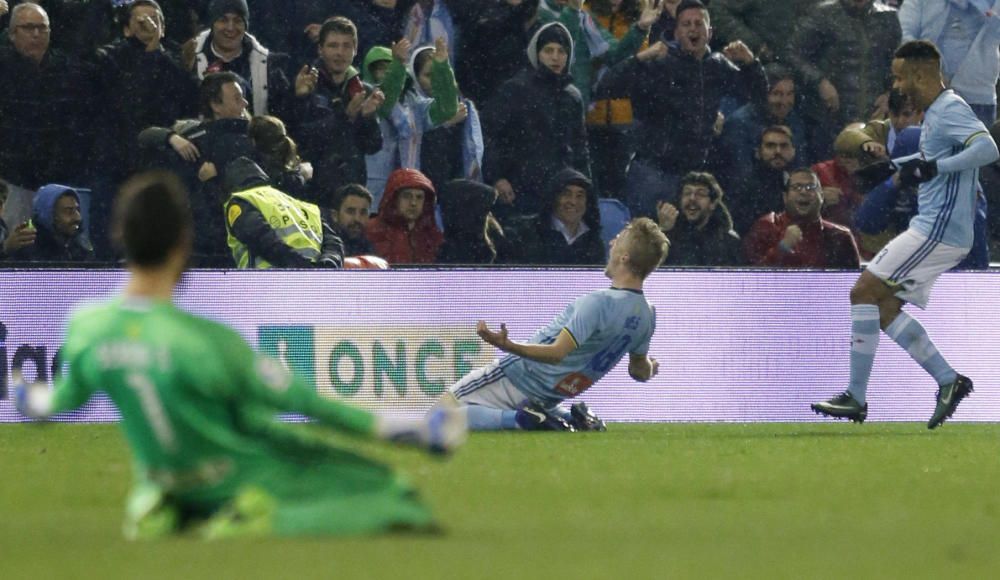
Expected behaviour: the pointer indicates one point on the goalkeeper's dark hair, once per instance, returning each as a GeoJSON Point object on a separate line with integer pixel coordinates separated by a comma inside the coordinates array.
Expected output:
{"type": "Point", "coordinates": [918, 51]}
{"type": "Point", "coordinates": [151, 217]}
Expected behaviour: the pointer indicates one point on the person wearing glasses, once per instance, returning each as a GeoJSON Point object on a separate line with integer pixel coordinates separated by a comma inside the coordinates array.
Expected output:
{"type": "Point", "coordinates": [44, 108]}
{"type": "Point", "coordinates": [799, 237]}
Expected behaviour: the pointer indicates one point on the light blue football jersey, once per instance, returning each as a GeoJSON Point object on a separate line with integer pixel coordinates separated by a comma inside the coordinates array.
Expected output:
{"type": "Point", "coordinates": [947, 203]}
{"type": "Point", "coordinates": [605, 325]}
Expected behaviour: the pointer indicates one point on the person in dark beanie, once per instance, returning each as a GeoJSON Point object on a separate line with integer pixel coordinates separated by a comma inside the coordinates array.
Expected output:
{"type": "Point", "coordinates": [534, 125]}
{"type": "Point", "coordinates": [471, 233]}
{"type": "Point", "coordinates": [227, 46]}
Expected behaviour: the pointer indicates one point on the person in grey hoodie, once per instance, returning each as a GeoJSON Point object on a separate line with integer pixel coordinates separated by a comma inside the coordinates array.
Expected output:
{"type": "Point", "coordinates": [534, 125]}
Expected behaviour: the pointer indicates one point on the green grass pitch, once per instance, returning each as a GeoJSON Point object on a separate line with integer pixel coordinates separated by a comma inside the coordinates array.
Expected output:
{"type": "Point", "coordinates": [640, 501]}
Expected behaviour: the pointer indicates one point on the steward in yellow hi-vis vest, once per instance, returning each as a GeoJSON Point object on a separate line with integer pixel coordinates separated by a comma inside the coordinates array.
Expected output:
{"type": "Point", "coordinates": [270, 229]}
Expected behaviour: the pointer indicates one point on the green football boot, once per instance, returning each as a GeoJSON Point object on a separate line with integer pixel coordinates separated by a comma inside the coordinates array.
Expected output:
{"type": "Point", "coordinates": [948, 398]}
{"type": "Point", "coordinates": [843, 406]}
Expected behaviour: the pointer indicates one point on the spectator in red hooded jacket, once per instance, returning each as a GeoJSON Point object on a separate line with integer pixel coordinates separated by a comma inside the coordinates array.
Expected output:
{"type": "Point", "coordinates": [404, 232]}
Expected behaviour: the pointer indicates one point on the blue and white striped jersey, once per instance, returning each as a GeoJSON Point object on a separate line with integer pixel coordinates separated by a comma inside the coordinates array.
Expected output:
{"type": "Point", "coordinates": [947, 203]}
{"type": "Point", "coordinates": [605, 324]}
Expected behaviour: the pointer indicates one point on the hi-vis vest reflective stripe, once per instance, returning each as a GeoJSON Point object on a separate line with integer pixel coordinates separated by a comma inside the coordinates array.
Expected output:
{"type": "Point", "coordinates": [296, 222]}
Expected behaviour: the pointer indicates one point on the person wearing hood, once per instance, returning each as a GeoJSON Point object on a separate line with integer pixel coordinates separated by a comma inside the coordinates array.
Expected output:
{"type": "Point", "coordinates": [593, 43]}
{"type": "Point", "coordinates": [304, 240]}
{"type": "Point", "coordinates": [471, 234]}
{"type": "Point", "coordinates": [676, 91]}
{"type": "Point", "coordinates": [534, 125]}
{"type": "Point", "coordinates": [444, 139]}
{"type": "Point", "coordinates": [227, 46]}
{"type": "Point", "coordinates": [568, 229]}
{"type": "Point", "coordinates": [60, 233]}
{"type": "Point", "coordinates": [701, 229]}
{"type": "Point", "coordinates": [335, 111]}
{"type": "Point", "coordinates": [404, 231]}
{"type": "Point", "coordinates": [385, 68]}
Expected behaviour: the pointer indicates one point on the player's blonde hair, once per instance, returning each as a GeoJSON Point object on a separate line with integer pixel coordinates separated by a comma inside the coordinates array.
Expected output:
{"type": "Point", "coordinates": [646, 246]}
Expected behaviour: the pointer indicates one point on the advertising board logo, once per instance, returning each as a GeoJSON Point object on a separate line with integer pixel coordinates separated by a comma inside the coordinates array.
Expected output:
{"type": "Point", "coordinates": [293, 346]}
{"type": "Point", "coordinates": [377, 364]}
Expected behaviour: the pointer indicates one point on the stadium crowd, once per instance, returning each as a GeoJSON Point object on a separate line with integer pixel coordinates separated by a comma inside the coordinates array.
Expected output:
{"type": "Point", "coordinates": [362, 133]}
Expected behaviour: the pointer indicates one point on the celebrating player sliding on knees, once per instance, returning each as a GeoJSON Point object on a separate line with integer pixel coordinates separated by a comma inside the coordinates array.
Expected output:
{"type": "Point", "coordinates": [523, 390]}
{"type": "Point", "coordinates": [199, 407]}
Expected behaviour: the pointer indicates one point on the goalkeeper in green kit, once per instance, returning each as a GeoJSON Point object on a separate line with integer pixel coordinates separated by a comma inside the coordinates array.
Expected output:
{"type": "Point", "coordinates": [199, 407]}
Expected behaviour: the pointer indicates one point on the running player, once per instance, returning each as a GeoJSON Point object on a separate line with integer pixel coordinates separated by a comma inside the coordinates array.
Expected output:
{"type": "Point", "coordinates": [198, 407]}
{"type": "Point", "coordinates": [954, 144]}
{"type": "Point", "coordinates": [523, 389]}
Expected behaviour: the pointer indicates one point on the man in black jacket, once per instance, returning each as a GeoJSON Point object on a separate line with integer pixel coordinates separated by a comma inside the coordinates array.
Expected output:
{"type": "Point", "coordinates": [45, 104]}
{"type": "Point", "coordinates": [141, 85]}
{"type": "Point", "coordinates": [334, 113]}
{"type": "Point", "coordinates": [761, 189]}
{"type": "Point", "coordinates": [676, 90]}
{"type": "Point", "coordinates": [701, 231]}
{"type": "Point", "coordinates": [198, 151]}
{"type": "Point", "coordinates": [534, 125]}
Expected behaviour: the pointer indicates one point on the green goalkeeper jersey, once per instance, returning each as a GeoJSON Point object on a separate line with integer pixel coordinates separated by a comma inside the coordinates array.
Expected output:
{"type": "Point", "coordinates": [198, 405]}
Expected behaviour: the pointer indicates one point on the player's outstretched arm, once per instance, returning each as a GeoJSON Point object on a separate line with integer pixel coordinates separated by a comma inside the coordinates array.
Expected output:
{"type": "Point", "coordinates": [32, 400]}
{"type": "Point", "coordinates": [37, 401]}
{"type": "Point", "coordinates": [441, 431]}
{"type": "Point", "coordinates": [642, 367]}
{"type": "Point", "coordinates": [546, 353]}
